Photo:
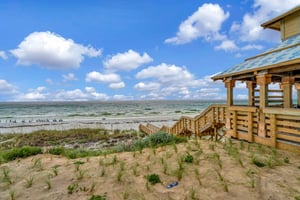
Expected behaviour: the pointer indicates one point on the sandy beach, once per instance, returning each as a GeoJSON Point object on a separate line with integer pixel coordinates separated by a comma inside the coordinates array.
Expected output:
{"type": "Point", "coordinates": [121, 123]}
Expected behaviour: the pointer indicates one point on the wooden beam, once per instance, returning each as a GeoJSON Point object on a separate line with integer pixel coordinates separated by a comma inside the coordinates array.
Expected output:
{"type": "Point", "coordinates": [286, 85]}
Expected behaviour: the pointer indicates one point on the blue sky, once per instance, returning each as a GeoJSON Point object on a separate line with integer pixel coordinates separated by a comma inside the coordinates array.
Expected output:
{"type": "Point", "coordinates": [128, 50]}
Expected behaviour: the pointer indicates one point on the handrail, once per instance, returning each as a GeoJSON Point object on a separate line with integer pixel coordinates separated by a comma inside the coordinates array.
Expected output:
{"type": "Point", "coordinates": [282, 111]}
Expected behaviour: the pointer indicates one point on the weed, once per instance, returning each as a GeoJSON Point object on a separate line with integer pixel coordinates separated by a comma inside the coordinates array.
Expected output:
{"type": "Point", "coordinates": [297, 197]}
{"type": "Point", "coordinates": [134, 170]}
{"type": "Point", "coordinates": [29, 182]}
{"type": "Point", "coordinates": [153, 179]}
{"type": "Point", "coordinates": [98, 197]}
{"type": "Point", "coordinates": [37, 164]}
{"type": "Point", "coordinates": [286, 160]}
{"type": "Point", "coordinates": [122, 166]}
{"type": "Point", "coordinates": [196, 171]}
{"type": "Point", "coordinates": [119, 175]}
{"type": "Point", "coordinates": [242, 146]}
{"type": "Point", "coordinates": [221, 178]}
{"type": "Point", "coordinates": [165, 168]}
{"type": "Point", "coordinates": [72, 187]}
{"type": "Point", "coordinates": [48, 182]}
{"type": "Point", "coordinates": [6, 176]}
{"type": "Point", "coordinates": [154, 151]}
{"type": "Point", "coordinates": [134, 154]}
{"type": "Point", "coordinates": [193, 194]}
{"type": "Point", "coordinates": [77, 165]}
{"type": "Point", "coordinates": [80, 175]}
{"type": "Point", "coordinates": [148, 168]}
{"type": "Point", "coordinates": [114, 160]}
{"type": "Point", "coordinates": [188, 158]}
{"type": "Point", "coordinates": [102, 173]}
{"type": "Point", "coordinates": [55, 170]}
{"type": "Point", "coordinates": [178, 173]}
{"type": "Point", "coordinates": [175, 147]}
{"type": "Point", "coordinates": [92, 189]}
{"type": "Point", "coordinates": [126, 195]}
{"type": "Point", "coordinates": [12, 195]}
{"type": "Point", "coordinates": [148, 157]}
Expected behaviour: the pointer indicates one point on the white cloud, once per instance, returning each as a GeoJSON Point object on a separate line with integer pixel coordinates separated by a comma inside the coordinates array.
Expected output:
{"type": "Point", "coordinates": [250, 30]}
{"type": "Point", "coordinates": [37, 94]}
{"type": "Point", "coordinates": [78, 95]}
{"type": "Point", "coordinates": [205, 22]}
{"type": "Point", "coordinates": [6, 87]}
{"type": "Point", "coordinates": [126, 61]}
{"type": "Point", "coordinates": [121, 97]}
{"type": "Point", "coordinates": [165, 73]}
{"type": "Point", "coordinates": [252, 46]}
{"type": "Point", "coordinates": [227, 45]}
{"type": "Point", "coordinates": [69, 77]}
{"type": "Point", "coordinates": [165, 81]}
{"type": "Point", "coordinates": [103, 78]}
{"type": "Point", "coordinates": [52, 51]}
{"type": "Point", "coordinates": [147, 86]}
{"type": "Point", "coordinates": [3, 55]}
{"type": "Point", "coordinates": [117, 85]}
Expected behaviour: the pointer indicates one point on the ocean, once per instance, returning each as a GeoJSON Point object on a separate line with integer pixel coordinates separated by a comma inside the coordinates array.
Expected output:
{"type": "Point", "coordinates": [30, 116]}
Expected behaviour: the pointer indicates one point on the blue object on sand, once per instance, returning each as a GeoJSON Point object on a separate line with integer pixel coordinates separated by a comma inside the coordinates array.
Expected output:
{"type": "Point", "coordinates": [172, 184]}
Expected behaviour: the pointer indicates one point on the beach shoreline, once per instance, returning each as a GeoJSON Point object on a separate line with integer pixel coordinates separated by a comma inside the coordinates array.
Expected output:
{"type": "Point", "coordinates": [121, 123]}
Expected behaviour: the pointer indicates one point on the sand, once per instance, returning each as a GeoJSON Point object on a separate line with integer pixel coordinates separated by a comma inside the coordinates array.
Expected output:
{"type": "Point", "coordinates": [121, 123]}
{"type": "Point", "coordinates": [125, 179]}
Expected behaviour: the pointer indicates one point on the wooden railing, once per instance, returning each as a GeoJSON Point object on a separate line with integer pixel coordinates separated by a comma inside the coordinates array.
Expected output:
{"type": "Point", "coordinates": [283, 126]}
{"type": "Point", "coordinates": [242, 122]}
{"type": "Point", "coordinates": [212, 117]}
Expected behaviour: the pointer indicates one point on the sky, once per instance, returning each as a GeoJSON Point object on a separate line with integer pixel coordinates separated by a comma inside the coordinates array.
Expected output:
{"type": "Point", "coordinates": [129, 50]}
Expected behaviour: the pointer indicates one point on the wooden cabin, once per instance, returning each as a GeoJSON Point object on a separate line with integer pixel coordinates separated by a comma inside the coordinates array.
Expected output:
{"type": "Point", "coordinates": [272, 116]}
{"type": "Point", "coordinates": [272, 113]}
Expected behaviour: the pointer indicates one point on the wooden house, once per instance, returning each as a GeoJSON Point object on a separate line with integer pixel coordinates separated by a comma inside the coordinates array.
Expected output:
{"type": "Point", "coordinates": [272, 115]}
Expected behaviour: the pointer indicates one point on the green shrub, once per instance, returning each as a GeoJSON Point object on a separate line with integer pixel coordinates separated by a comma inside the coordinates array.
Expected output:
{"type": "Point", "coordinates": [188, 158]}
{"type": "Point", "coordinates": [21, 152]}
{"type": "Point", "coordinates": [153, 179]}
{"type": "Point", "coordinates": [57, 150]}
{"type": "Point", "coordinates": [258, 162]}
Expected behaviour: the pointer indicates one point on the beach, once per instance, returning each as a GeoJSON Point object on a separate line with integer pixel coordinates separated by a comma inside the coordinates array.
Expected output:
{"type": "Point", "coordinates": [27, 117]}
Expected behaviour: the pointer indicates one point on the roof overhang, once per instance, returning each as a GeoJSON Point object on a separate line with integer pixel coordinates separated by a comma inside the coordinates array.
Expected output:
{"type": "Point", "coordinates": [275, 22]}
{"type": "Point", "coordinates": [245, 73]}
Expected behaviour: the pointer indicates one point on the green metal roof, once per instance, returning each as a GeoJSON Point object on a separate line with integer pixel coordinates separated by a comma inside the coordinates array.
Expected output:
{"type": "Point", "coordinates": [287, 50]}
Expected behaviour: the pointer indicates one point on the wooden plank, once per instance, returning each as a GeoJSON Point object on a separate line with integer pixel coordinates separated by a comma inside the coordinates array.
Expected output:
{"type": "Point", "coordinates": [288, 130]}
{"type": "Point", "coordinates": [288, 123]}
{"type": "Point", "coordinates": [282, 111]}
{"type": "Point", "coordinates": [242, 136]}
{"type": "Point", "coordinates": [262, 140]}
{"type": "Point", "coordinates": [288, 137]}
{"type": "Point", "coordinates": [289, 147]}
{"type": "Point", "coordinates": [250, 127]}
{"type": "Point", "coordinates": [288, 117]}
{"type": "Point", "coordinates": [242, 108]}
{"type": "Point", "coordinates": [273, 130]}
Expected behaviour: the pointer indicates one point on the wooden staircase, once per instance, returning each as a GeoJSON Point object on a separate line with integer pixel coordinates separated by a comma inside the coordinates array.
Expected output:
{"type": "Point", "coordinates": [206, 123]}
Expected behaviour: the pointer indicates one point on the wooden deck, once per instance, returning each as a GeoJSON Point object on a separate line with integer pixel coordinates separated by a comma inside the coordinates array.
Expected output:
{"type": "Point", "coordinates": [275, 127]}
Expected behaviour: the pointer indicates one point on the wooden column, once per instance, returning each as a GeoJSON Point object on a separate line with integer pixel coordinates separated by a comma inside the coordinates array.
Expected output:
{"type": "Point", "coordinates": [229, 84]}
{"type": "Point", "coordinates": [251, 86]}
{"type": "Point", "coordinates": [286, 86]}
{"type": "Point", "coordinates": [297, 86]}
{"type": "Point", "coordinates": [263, 82]}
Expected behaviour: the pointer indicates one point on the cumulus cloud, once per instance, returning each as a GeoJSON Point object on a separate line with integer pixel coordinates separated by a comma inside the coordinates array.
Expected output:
{"type": "Point", "coordinates": [117, 85]}
{"type": "Point", "coordinates": [227, 45]}
{"type": "Point", "coordinates": [147, 86]}
{"type": "Point", "coordinates": [126, 61]}
{"type": "Point", "coordinates": [166, 80]}
{"type": "Point", "coordinates": [3, 55]}
{"type": "Point", "coordinates": [69, 77]}
{"type": "Point", "coordinates": [102, 78]}
{"type": "Point", "coordinates": [206, 22]}
{"type": "Point", "coordinates": [121, 97]}
{"type": "Point", "coordinates": [78, 95]}
{"type": "Point", "coordinates": [166, 73]}
{"type": "Point", "coordinates": [52, 51]}
{"type": "Point", "coordinates": [37, 94]}
{"type": "Point", "coordinates": [6, 87]}
{"type": "Point", "coordinates": [250, 30]}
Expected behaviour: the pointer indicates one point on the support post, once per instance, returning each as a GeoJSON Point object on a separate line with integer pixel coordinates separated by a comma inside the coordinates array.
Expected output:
{"type": "Point", "coordinates": [263, 81]}
{"type": "Point", "coordinates": [251, 85]}
{"type": "Point", "coordinates": [229, 84]}
{"type": "Point", "coordinates": [273, 130]}
{"type": "Point", "coordinates": [286, 85]}
{"type": "Point", "coordinates": [297, 86]}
